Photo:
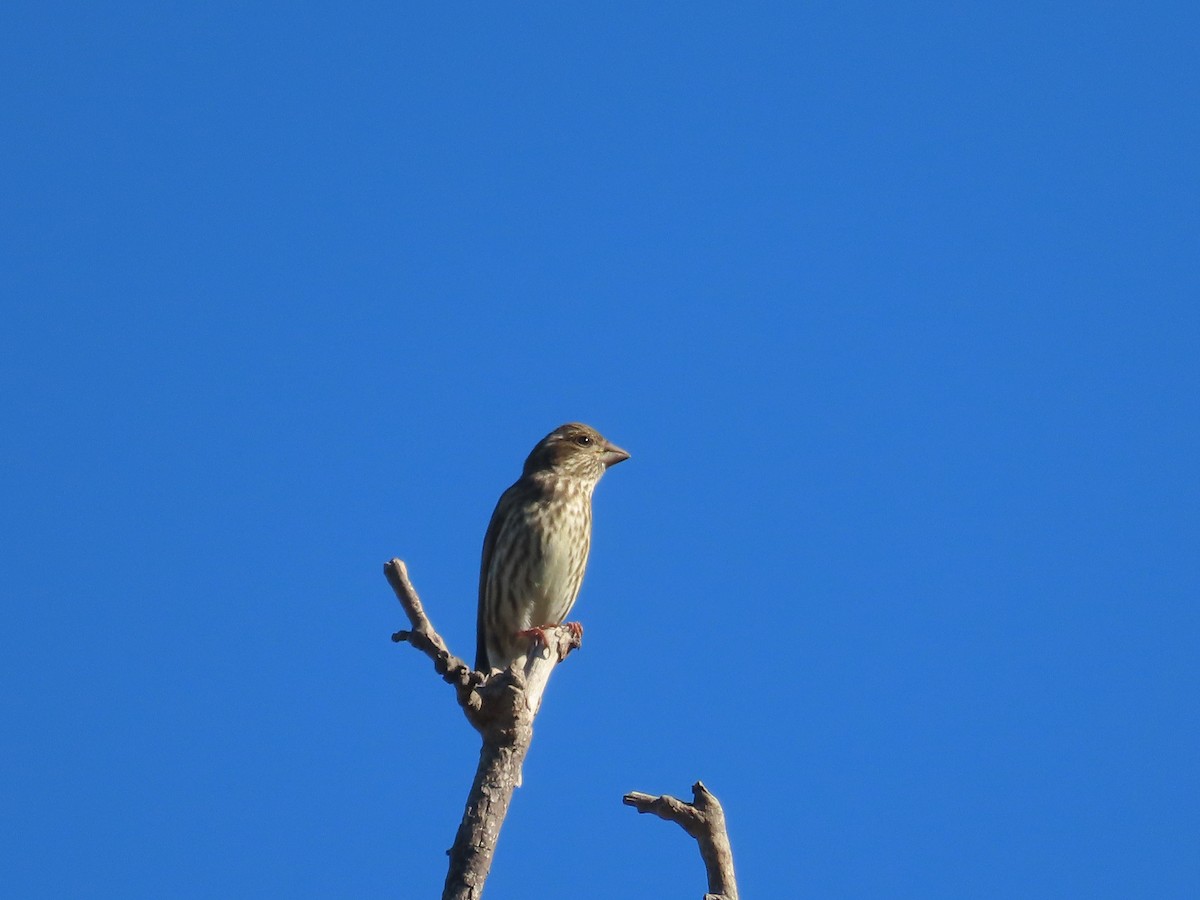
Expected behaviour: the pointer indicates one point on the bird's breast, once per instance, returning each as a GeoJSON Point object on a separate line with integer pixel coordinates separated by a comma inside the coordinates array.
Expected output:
{"type": "Point", "coordinates": [563, 532]}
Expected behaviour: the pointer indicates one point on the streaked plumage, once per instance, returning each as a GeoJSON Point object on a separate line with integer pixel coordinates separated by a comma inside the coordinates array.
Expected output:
{"type": "Point", "coordinates": [536, 547]}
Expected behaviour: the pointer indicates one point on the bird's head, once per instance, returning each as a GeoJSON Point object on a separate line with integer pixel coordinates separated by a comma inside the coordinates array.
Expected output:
{"type": "Point", "coordinates": [575, 451]}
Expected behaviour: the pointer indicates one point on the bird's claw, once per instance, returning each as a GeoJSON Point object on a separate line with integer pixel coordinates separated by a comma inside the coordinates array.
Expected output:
{"type": "Point", "coordinates": [538, 634]}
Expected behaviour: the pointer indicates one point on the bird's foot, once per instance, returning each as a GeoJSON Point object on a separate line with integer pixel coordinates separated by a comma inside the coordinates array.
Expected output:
{"type": "Point", "coordinates": [537, 634]}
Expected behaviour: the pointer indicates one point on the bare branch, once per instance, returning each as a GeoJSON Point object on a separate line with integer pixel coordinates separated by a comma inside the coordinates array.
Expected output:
{"type": "Point", "coordinates": [704, 820]}
{"type": "Point", "coordinates": [501, 706]}
{"type": "Point", "coordinates": [425, 638]}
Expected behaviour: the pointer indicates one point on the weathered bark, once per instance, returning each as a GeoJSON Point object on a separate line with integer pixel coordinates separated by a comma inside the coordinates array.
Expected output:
{"type": "Point", "coordinates": [501, 707]}
{"type": "Point", "coordinates": [704, 820]}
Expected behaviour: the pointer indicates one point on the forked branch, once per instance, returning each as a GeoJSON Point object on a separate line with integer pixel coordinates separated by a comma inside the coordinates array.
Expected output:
{"type": "Point", "coordinates": [704, 820]}
{"type": "Point", "coordinates": [501, 706]}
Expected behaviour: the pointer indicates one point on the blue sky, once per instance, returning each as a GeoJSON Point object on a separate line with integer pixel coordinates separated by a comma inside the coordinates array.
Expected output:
{"type": "Point", "coordinates": [894, 306]}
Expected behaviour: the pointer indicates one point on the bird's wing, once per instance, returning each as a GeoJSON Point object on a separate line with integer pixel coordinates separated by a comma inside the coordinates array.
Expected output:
{"type": "Point", "coordinates": [489, 545]}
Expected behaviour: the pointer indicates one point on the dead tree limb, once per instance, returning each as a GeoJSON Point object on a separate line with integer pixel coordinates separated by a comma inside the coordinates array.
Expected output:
{"type": "Point", "coordinates": [501, 707]}
{"type": "Point", "coordinates": [704, 820]}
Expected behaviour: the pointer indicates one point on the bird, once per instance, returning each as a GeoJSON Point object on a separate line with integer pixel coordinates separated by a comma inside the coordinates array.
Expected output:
{"type": "Point", "coordinates": [536, 546]}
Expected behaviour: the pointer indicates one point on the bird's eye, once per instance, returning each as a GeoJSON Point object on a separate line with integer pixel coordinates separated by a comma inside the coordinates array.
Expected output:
{"type": "Point", "coordinates": [582, 440]}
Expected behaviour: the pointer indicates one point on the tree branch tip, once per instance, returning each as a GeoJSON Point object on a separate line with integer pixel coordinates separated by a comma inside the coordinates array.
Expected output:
{"type": "Point", "coordinates": [703, 820]}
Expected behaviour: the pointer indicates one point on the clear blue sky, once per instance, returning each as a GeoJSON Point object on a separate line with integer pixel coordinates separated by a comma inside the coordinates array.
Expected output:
{"type": "Point", "coordinates": [895, 306]}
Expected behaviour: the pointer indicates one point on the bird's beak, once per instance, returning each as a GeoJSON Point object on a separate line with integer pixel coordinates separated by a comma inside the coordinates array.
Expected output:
{"type": "Point", "coordinates": [613, 455]}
